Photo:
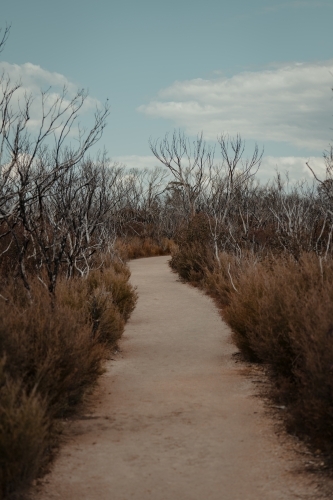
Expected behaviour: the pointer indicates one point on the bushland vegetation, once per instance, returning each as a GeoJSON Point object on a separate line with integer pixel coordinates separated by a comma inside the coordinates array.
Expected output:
{"type": "Point", "coordinates": [64, 290]}
{"type": "Point", "coordinates": [264, 252]}
{"type": "Point", "coordinates": [69, 222]}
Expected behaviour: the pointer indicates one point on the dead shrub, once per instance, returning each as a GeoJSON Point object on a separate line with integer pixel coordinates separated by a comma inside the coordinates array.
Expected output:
{"type": "Point", "coordinates": [51, 348]}
{"type": "Point", "coordinates": [114, 280]}
{"type": "Point", "coordinates": [311, 332]}
{"type": "Point", "coordinates": [105, 299]}
{"type": "Point", "coordinates": [221, 282]}
{"type": "Point", "coordinates": [196, 230]}
{"type": "Point", "coordinates": [280, 311]}
{"type": "Point", "coordinates": [138, 247]}
{"type": "Point", "coordinates": [57, 346]}
{"type": "Point", "coordinates": [257, 317]}
{"type": "Point", "coordinates": [24, 434]}
{"type": "Point", "coordinates": [191, 262]}
{"type": "Point", "coordinates": [282, 316]}
{"type": "Point", "coordinates": [193, 257]}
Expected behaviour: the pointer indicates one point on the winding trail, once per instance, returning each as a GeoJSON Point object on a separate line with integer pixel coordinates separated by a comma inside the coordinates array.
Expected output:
{"type": "Point", "coordinates": [174, 418]}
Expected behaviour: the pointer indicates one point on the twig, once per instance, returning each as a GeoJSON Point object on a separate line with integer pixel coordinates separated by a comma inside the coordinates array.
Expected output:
{"type": "Point", "coordinates": [233, 286]}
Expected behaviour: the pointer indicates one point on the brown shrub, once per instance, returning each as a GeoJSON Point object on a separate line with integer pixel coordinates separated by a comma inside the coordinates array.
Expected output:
{"type": "Point", "coordinates": [256, 315]}
{"type": "Point", "coordinates": [50, 347]}
{"type": "Point", "coordinates": [196, 230]}
{"type": "Point", "coordinates": [57, 347]}
{"type": "Point", "coordinates": [311, 330]}
{"type": "Point", "coordinates": [105, 299]}
{"type": "Point", "coordinates": [221, 282]}
{"type": "Point", "coordinates": [193, 257]}
{"type": "Point", "coordinates": [24, 434]}
{"type": "Point", "coordinates": [191, 262]}
{"type": "Point", "coordinates": [114, 281]}
{"type": "Point", "coordinates": [282, 316]}
{"type": "Point", "coordinates": [95, 307]}
{"type": "Point", "coordinates": [135, 247]}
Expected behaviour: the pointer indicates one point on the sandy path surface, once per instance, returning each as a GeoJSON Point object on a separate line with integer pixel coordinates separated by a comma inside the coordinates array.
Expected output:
{"type": "Point", "coordinates": [174, 418]}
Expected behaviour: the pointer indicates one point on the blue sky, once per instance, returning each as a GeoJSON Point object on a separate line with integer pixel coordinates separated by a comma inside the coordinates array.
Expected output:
{"type": "Point", "coordinates": [262, 68]}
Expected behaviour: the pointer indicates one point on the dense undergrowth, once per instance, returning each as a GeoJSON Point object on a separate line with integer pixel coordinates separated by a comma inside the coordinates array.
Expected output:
{"type": "Point", "coordinates": [68, 223]}
{"type": "Point", "coordinates": [280, 310]}
{"type": "Point", "coordinates": [52, 351]}
{"type": "Point", "coordinates": [135, 247]}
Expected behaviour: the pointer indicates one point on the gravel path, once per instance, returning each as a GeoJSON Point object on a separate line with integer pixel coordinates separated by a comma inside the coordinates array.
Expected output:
{"type": "Point", "coordinates": [174, 418]}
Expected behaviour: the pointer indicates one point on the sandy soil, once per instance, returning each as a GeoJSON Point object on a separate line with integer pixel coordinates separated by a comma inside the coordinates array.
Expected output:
{"type": "Point", "coordinates": [175, 418]}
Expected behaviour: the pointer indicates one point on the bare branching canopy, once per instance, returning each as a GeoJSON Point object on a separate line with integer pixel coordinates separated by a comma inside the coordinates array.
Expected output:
{"type": "Point", "coordinates": [190, 163]}
{"type": "Point", "coordinates": [59, 206]}
{"type": "Point", "coordinates": [50, 193]}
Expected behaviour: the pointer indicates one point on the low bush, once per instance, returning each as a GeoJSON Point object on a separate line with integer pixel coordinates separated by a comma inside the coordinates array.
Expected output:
{"type": "Point", "coordinates": [192, 261]}
{"type": "Point", "coordinates": [113, 279]}
{"type": "Point", "coordinates": [50, 347]}
{"type": "Point", "coordinates": [221, 280]}
{"type": "Point", "coordinates": [135, 247]}
{"type": "Point", "coordinates": [281, 314]}
{"type": "Point", "coordinates": [52, 350]}
{"type": "Point", "coordinates": [192, 256]}
{"type": "Point", "coordinates": [24, 434]}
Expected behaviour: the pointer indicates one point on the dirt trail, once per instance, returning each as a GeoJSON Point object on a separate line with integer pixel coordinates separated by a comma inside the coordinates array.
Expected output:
{"type": "Point", "coordinates": [175, 418]}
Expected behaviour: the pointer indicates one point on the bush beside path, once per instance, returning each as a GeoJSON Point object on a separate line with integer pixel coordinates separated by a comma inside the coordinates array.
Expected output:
{"type": "Point", "coordinates": [174, 416]}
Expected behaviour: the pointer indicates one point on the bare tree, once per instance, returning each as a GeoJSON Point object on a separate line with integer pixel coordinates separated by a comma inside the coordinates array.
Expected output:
{"type": "Point", "coordinates": [32, 163]}
{"type": "Point", "coordinates": [190, 163]}
{"type": "Point", "coordinates": [228, 186]}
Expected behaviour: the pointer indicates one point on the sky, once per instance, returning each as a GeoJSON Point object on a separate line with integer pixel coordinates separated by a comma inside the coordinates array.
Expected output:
{"type": "Point", "coordinates": [259, 68]}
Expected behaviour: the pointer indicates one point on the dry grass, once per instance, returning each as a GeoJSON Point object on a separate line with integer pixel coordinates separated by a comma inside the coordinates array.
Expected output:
{"type": "Point", "coordinates": [191, 256]}
{"type": "Point", "coordinates": [52, 352]}
{"type": "Point", "coordinates": [105, 299]}
{"type": "Point", "coordinates": [135, 247]}
{"type": "Point", "coordinates": [281, 313]}
{"type": "Point", "coordinates": [282, 316]}
{"type": "Point", "coordinates": [50, 347]}
{"type": "Point", "coordinates": [24, 434]}
{"type": "Point", "coordinates": [192, 261]}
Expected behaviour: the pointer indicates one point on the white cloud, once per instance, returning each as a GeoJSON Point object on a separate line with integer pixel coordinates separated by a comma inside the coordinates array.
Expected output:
{"type": "Point", "coordinates": [33, 79]}
{"type": "Point", "coordinates": [290, 103]}
{"type": "Point", "coordinates": [295, 166]}
{"type": "Point", "coordinates": [137, 161]}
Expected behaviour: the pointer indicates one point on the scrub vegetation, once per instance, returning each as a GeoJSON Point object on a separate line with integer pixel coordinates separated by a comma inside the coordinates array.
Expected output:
{"type": "Point", "coordinates": [265, 254]}
{"type": "Point", "coordinates": [64, 290]}
{"type": "Point", "coordinates": [69, 223]}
